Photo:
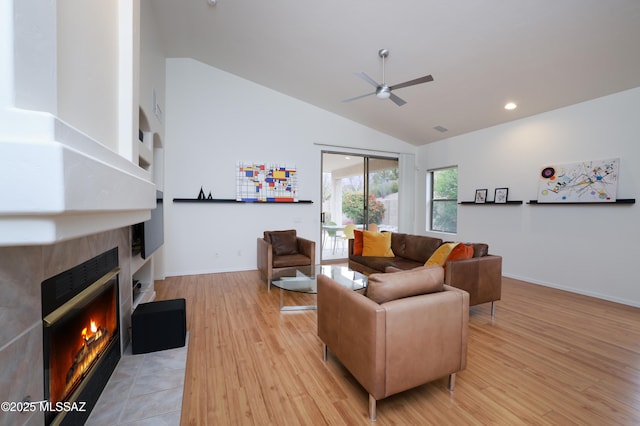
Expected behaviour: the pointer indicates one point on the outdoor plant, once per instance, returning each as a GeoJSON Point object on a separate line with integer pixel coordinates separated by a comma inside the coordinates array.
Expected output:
{"type": "Point", "coordinates": [352, 207]}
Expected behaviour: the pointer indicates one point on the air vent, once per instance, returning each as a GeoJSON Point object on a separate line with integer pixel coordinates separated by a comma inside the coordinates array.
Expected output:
{"type": "Point", "coordinates": [59, 289]}
{"type": "Point", "coordinates": [441, 129]}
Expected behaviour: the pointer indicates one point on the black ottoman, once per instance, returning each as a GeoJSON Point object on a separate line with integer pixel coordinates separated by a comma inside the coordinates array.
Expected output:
{"type": "Point", "coordinates": [156, 326]}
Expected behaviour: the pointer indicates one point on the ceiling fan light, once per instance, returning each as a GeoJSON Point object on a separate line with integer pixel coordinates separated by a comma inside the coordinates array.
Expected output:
{"type": "Point", "coordinates": [383, 93]}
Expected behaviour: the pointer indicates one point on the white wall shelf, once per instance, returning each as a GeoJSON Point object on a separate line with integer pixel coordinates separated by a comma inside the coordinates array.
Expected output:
{"type": "Point", "coordinates": [148, 151]}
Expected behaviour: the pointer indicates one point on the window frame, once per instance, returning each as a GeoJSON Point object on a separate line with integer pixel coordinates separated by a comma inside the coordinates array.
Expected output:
{"type": "Point", "coordinates": [432, 201]}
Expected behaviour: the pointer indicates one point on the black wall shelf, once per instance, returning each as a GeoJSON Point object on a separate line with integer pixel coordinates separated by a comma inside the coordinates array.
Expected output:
{"type": "Point", "coordinates": [233, 200]}
{"type": "Point", "coordinates": [512, 202]}
{"type": "Point", "coordinates": [618, 201]}
{"type": "Point", "coordinates": [536, 203]}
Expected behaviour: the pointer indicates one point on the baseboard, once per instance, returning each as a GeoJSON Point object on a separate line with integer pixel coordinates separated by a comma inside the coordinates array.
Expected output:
{"type": "Point", "coordinates": [607, 297]}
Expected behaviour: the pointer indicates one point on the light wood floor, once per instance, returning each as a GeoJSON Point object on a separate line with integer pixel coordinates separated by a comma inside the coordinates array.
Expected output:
{"type": "Point", "coordinates": [549, 357]}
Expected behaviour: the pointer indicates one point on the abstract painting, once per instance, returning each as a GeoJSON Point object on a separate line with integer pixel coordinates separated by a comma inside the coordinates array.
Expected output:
{"type": "Point", "coordinates": [583, 182]}
{"type": "Point", "coordinates": [266, 182]}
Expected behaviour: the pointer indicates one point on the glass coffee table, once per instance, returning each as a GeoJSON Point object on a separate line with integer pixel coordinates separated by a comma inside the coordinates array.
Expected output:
{"type": "Point", "coordinates": [303, 279]}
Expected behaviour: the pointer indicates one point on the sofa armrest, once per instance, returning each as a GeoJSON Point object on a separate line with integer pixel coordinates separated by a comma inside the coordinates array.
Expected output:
{"type": "Point", "coordinates": [353, 328]}
{"type": "Point", "coordinates": [351, 241]}
{"type": "Point", "coordinates": [481, 277]}
{"type": "Point", "coordinates": [308, 248]}
{"type": "Point", "coordinates": [414, 327]}
{"type": "Point", "coordinates": [265, 258]}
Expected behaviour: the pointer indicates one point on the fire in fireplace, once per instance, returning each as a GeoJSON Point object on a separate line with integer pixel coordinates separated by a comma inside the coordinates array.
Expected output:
{"type": "Point", "coordinates": [75, 347]}
{"type": "Point", "coordinates": [81, 334]}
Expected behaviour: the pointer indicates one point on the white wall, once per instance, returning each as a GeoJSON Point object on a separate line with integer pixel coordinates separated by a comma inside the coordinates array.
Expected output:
{"type": "Point", "coordinates": [87, 68]}
{"type": "Point", "coordinates": [582, 248]}
{"type": "Point", "coordinates": [152, 69]}
{"type": "Point", "coordinates": [214, 119]}
{"type": "Point", "coordinates": [28, 62]}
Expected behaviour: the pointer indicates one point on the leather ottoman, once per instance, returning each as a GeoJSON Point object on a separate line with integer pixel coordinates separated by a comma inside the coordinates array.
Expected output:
{"type": "Point", "coordinates": [157, 326]}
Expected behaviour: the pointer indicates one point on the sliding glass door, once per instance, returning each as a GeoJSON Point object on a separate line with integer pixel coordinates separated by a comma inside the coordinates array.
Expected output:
{"type": "Point", "coordinates": [358, 192]}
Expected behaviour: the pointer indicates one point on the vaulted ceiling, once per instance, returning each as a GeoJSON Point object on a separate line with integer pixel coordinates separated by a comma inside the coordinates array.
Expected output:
{"type": "Point", "coordinates": [542, 55]}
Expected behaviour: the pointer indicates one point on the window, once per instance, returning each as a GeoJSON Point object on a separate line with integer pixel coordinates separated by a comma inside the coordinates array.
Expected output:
{"type": "Point", "coordinates": [443, 199]}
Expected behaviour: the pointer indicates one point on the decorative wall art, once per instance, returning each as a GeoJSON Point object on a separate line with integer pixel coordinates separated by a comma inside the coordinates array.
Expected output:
{"type": "Point", "coordinates": [583, 182]}
{"type": "Point", "coordinates": [501, 195]}
{"type": "Point", "coordinates": [266, 182]}
{"type": "Point", "coordinates": [481, 196]}
{"type": "Point", "coordinates": [201, 195]}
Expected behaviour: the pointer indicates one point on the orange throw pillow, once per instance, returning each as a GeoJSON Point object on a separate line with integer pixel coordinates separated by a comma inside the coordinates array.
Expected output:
{"type": "Point", "coordinates": [357, 242]}
{"type": "Point", "coordinates": [461, 251]}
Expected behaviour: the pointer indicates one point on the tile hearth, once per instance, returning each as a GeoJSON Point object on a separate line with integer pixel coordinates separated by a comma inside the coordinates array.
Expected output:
{"type": "Point", "coordinates": [144, 389]}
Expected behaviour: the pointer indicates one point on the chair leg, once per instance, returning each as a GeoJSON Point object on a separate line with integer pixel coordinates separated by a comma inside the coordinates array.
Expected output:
{"type": "Point", "coordinates": [493, 309]}
{"type": "Point", "coordinates": [325, 352]}
{"type": "Point", "coordinates": [372, 408]}
{"type": "Point", "coordinates": [452, 381]}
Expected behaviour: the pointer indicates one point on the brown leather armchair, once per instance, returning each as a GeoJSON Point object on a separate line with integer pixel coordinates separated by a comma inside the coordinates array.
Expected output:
{"type": "Point", "coordinates": [409, 329]}
{"type": "Point", "coordinates": [283, 249]}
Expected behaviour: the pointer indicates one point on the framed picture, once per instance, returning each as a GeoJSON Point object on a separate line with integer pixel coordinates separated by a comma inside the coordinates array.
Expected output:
{"type": "Point", "coordinates": [501, 195]}
{"type": "Point", "coordinates": [481, 196]}
{"type": "Point", "coordinates": [594, 181]}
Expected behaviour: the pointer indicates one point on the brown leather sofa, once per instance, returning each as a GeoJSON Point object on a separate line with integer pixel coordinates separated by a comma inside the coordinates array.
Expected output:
{"type": "Point", "coordinates": [480, 276]}
{"type": "Point", "coordinates": [278, 250]}
{"type": "Point", "coordinates": [408, 329]}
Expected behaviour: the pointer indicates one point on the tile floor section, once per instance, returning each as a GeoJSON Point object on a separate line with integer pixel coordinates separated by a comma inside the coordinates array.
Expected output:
{"type": "Point", "coordinates": [144, 389]}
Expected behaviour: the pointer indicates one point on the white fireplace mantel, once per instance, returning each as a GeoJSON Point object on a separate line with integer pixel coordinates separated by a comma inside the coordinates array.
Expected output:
{"type": "Point", "coordinates": [56, 183]}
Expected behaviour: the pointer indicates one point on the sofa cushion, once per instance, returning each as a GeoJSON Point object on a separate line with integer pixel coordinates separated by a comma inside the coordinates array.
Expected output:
{"type": "Point", "coordinates": [404, 263]}
{"type": "Point", "coordinates": [383, 288]}
{"type": "Point", "coordinates": [290, 260]}
{"type": "Point", "coordinates": [398, 244]}
{"type": "Point", "coordinates": [377, 263]}
{"type": "Point", "coordinates": [376, 244]}
{"type": "Point", "coordinates": [357, 242]}
{"type": "Point", "coordinates": [480, 249]}
{"type": "Point", "coordinates": [283, 242]}
{"type": "Point", "coordinates": [420, 247]}
{"type": "Point", "coordinates": [439, 257]}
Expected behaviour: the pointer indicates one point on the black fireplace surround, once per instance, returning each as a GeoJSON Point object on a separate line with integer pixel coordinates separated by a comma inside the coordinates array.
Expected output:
{"type": "Point", "coordinates": [81, 335]}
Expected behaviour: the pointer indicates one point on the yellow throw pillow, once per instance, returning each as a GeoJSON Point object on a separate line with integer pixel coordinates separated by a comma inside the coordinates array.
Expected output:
{"type": "Point", "coordinates": [439, 257]}
{"type": "Point", "coordinates": [376, 244]}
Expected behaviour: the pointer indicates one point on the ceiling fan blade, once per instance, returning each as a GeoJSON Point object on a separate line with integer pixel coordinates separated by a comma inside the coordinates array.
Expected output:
{"type": "Point", "coordinates": [359, 97]}
{"type": "Point", "coordinates": [397, 100]}
{"type": "Point", "coordinates": [368, 79]}
{"type": "Point", "coordinates": [420, 80]}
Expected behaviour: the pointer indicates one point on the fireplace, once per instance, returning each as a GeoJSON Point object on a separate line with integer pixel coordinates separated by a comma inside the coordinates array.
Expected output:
{"type": "Point", "coordinates": [81, 336]}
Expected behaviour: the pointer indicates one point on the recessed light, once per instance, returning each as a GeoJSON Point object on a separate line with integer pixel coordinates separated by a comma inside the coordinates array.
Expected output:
{"type": "Point", "coordinates": [510, 106]}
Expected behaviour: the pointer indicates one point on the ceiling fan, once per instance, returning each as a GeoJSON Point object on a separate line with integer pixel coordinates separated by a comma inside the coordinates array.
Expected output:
{"type": "Point", "coordinates": [383, 91]}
